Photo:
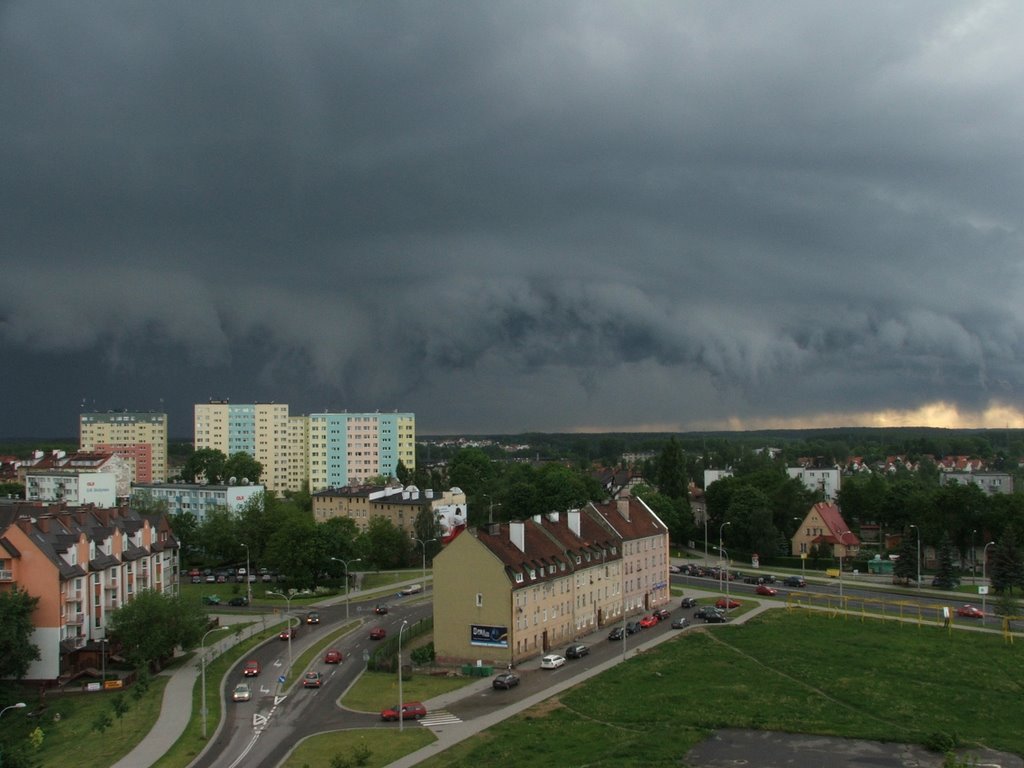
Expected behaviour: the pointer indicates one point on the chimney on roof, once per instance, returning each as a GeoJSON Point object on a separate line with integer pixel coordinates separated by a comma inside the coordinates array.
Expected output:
{"type": "Point", "coordinates": [517, 534]}
{"type": "Point", "coordinates": [494, 529]}
{"type": "Point", "coordinates": [622, 505]}
{"type": "Point", "coordinates": [573, 516]}
{"type": "Point", "coordinates": [553, 516]}
{"type": "Point", "coordinates": [536, 519]}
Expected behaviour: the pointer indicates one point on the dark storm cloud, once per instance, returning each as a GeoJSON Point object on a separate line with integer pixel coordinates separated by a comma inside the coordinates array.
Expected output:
{"type": "Point", "coordinates": [514, 216]}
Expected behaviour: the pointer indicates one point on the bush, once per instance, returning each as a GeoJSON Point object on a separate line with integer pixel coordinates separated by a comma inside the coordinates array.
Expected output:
{"type": "Point", "coordinates": [423, 655]}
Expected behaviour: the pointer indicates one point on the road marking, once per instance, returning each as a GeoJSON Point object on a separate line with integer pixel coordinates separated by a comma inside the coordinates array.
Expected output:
{"type": "Point", "coordinates": [279, 699]}
{"type": "Point", "coordinates": [439, 717]}
{"type": "Point", "coordinates": [259, 720]}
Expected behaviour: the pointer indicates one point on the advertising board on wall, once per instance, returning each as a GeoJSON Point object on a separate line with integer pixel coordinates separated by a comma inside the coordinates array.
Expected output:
{"type": "Point", "coordinates": [492, 637]}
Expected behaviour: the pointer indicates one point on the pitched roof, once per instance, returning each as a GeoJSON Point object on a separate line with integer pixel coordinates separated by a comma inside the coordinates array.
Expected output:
{"type": "Point", "coordinates": [838, 531]}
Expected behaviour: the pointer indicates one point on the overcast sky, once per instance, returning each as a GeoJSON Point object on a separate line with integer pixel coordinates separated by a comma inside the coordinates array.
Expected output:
{"type": "Point", "coordinates": [514, 216]}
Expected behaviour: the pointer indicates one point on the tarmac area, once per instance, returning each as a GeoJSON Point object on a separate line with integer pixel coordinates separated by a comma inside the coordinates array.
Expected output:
{"type": "Point", "coordinates": [764, 749]}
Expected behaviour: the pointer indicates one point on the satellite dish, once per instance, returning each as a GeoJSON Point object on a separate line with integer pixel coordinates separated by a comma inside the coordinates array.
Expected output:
{"type": "Point", "coordinates": [232, 480]}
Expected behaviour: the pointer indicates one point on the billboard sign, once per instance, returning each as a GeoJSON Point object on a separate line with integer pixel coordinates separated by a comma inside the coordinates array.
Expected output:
{"type": "Point", "coordinates": [492, 637]}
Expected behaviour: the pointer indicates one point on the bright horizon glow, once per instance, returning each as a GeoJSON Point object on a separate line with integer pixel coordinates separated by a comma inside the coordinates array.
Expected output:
{"type": "Point", "coordinates": [940, 414]}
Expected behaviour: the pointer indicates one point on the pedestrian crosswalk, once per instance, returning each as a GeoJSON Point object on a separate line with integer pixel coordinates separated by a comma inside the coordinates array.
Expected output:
{"type": "Point", "coordinates": [439, 717]}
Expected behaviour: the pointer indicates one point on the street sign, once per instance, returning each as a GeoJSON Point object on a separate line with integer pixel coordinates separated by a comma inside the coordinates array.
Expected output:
{"type": "Point", "coordinates": [281, 679]}
{"type": "Point", "coordinates": [983, 589]}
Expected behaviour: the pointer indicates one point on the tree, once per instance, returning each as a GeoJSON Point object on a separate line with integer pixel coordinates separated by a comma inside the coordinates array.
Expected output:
{"type": "Point", "coordinates": [186, 530]}
{"type": "Point", "coordinates": [242, 465]}
{"type": "Point", "coordinates": [1007, 569]}
{"type": "Point", "coordinates": [383, 544]}
{"type": "Point", "coordinates": [206, 465]}
{"type": "Point", "coordinates": [296, 549]}
{"type": "Point", "coordinates": [405, 477]}
{"type": "Point", "coordinates": [945, 577]}
{"type": "Point", "coordinates": [905, 567]}
{"type": "Point", "coordinates": [219, 536]}
{"type": "Point", "coordinates": [671, 471]}
{"type": "Point", "coordinates": [152, 625]}
{"type": "Point", "coordinates": [16, 651]}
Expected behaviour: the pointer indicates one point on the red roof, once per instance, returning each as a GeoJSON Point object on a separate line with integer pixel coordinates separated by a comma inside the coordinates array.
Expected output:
{"type": "Point", "coordinates": [838, 531]}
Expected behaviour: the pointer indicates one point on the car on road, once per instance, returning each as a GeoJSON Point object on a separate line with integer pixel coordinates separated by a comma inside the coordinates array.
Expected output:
{"type": "Point", "coordinates": [674, 569]}
{"type": "Point", "coordinates": [688, 602]}
{"type": "Point", "coordinates": [313, 617]}
{"type": "Point", "coordinates": [289, 634]}
{"type": "Point", "coordinates": [552, 661]}
{"type": "Point", "coordinates": [970, 612]}
{"type": "Point", "coordinates": [648, 621]}
{"type": "Point", "coordinates": [312, 680]}
{"type": "Point", "coordinates": [764, 589]}
{"type": "Point", "coordinates": [633, 627]}
{"type": "Point", "coordinates": [411, 710]}
{"type": "Point", "coordinates": [333, 656]}
{"type": "Point", "coordinates": [238, 602]}
{"type": "Point", "coordinates": [242, 692]}
{"type": "Point", "coordinates": [794, 581]}
{"type": "Point", "coordinates": [380, 609]}
{"type": "Point", "coordinates": [505, 680]}
{"type": "Point", "coordinates": [412, 589]}
{"type": "Point", "coordinates": [577, 651]}
{"type": "Point", "coordinates": [679, 622]}
{"type": "Point", "coordinates": [723, 603]}
{"type": "Point", "coordinates": [617, 633]}
{"type": "Point", "coordinates": [660, 614]}
{"type": "Point", "coordinates": [251, 668]}
{"type": "Point", "coordinates": [378, 633]}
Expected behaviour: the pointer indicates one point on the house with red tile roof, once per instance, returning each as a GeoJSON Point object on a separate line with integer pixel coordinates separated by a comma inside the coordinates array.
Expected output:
{"type": "Point", "coordinates": [825, 528]}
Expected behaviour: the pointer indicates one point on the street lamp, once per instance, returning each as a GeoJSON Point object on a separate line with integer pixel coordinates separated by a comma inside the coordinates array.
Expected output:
{"type": "Point", "coordinates": [103, 658]}
{"type": "Point", "coordinates": [721, 529]}
{"type": "Point", "coordinates": [202, 647]}
{"type": "Point", "coordinates": [345, 563]}
{"type": "Point", "coordinates": [726, 556]}
{"type": "Point", "coordinates": [288, 620]}
{"type": "Point", "coordinates": [19, 705]}
{"type": "Point", "coordinates": [248, 580]}
{"type": "Point", "coordinates": [424, 545]}
{"type": "Point", "coordinates": [918, 554]}
{"type": "Point", "coordinates": [705, 536]}
{"type": "Point", "coordinates": [842, 552]}
{"type": "Point", "coordinates": [974, 559]}
{"type": "Point", "coordinates": [401, 703]}
{"type": "Point", "coordinates": [984, 563]}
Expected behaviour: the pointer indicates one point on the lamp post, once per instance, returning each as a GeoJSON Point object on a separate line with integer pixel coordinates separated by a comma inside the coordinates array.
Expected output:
{"type": "Point", "coordinates": [918, 554]}
{"type": "Point", "coordinates": [705, 536]}
{"type": "Point", "coordinates": [19, 705]}
{"type": "Point", "coordinates": [842, 553]}
{"type": "Point", "coordinates": [424, 545]}
{"type": "Point", "coordinates": [974, 559]}
{"type": "Point", "coordinates": [984, 563]}
{"type": "Point", "coordinates": [721, 529]}
{"type": "Point", "coordinates": [248, 580]}
{"type": "Point", "coordinates": [202, 645]}
{"type": "Point", "coordinates": [401, 712]}
{"type": "Point", "coordinates": [103, 657]}
{"type": "Point", "coordinates": [345, 563]}
{"type": "Point", "coordinates": [288, 620]}
{"type": "Point", "coordinates": [725, 555]}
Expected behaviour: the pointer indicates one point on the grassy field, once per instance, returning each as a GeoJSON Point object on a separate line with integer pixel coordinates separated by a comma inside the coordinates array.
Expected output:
{"type": "Point", "coordinates": [376, 690]}
{"type": "Point", "coordinates": [796, 672]}
{"type": "Point", "coordinates": [380, 747]}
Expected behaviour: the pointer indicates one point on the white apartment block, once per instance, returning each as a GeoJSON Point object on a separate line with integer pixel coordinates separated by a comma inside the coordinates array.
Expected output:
{"type": "Point", "coordinates": [825, 481]}
{"type": "Point", "coordinates": [138, 437]}
{"type": "Point", "coordinates": [197, 499]}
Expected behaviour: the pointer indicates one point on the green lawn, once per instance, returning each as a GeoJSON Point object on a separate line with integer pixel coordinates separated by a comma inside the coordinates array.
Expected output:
{"type": "Point", "coordinates": [376, 690]}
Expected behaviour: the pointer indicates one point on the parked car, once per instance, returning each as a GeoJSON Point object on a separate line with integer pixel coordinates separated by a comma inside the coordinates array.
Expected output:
{"type": "Point", "coordinates": [552, 661]}
{"type": "Point", "coordinates": [380, 609]}
{"type": "Point", "coordinates": [660, 614]}
{"type": "Point", "coordinates": [940, 582]}
{"type": "Point", "coordinates": [410, 710]}
{"type": "Point", "coordinates": [679, 622]}
{"type": "Point", "coordinates": [706, 610]}
{"type": "Point", "coordinates": [242, 692]}
{"type": "Point", "coordinates": [505, 680]}
{"type": "Point", "coordinates": [378, 633]}
{"type": "Point", "coordinates": [764, 589]}
{"type": "Point", "coordinates": [313, 617]}
{"type": "Point", "coordinates": [211, 579]}
{"type": "Point", "coordinates": [211, 599]}
{"type": "Point", "coordinates": [197, 579]}
{"type": "Point", "coordinates": [577, 651]}
{"type": "Point", "coordinates": [289, 634]}
{"type": "Point", "coordinates": [970, 612]}
{"type": "Point", "coordinates": [674, 569]}
{"type": "Point", "coordinates": [617, 633]}
{"type": "Point", "coordinates": [312, 680]}
{"type": "Point", "coordinates": [333, 656]}
{"type": "Point", "coordinates": [648, 621]}
{"type": "Point", "coordinates": [238, 602]}
{"type": "Point", "coordinates": [794, 581]}
{"type": "Point", "coordinates": [714, 617]}
{"type": "Point", "coordinates": [729, 604]}
{"type": "Point", "coordinates": [633, 627]}
{"type": "Point", "coordinates": [688, 602]}
{"type": "Point", "coordinates": [251, 668]}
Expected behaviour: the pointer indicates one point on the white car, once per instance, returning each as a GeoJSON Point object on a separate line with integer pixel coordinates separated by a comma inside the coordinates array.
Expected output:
{"type": "Point", "coordinates": [552, 661]}
{"type": "Point", "coordinates": [242, 692]}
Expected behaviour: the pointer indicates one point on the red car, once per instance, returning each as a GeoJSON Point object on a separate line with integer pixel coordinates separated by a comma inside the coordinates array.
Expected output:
{"type": "Point", "coordinates": [720, 603]}
{"type": "Point", "coordinates": [251, 668]}
{"type": "Point", "coordinates": [411, 710]}
{"type": "Point", "coordinates": [764, 589]}
{"type": "Point", "coordinates": [970, 611]}
{"type": "Point", "coordinates": [378, 633]}
{"type": "Point", "coordinates": [660, 614]}
{"type": "Point", "coordinates": [333, 656]}
{"type": "Point", "coordinates": [290, 633]}
{"type": "Point", "coordinates": [648, 621]}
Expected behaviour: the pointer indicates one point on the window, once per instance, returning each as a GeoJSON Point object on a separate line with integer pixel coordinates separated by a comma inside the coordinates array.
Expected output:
{"type": "Point", "coordinates": [519, 578]}
{"type": "Point", "coordinates": [479, 599]}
